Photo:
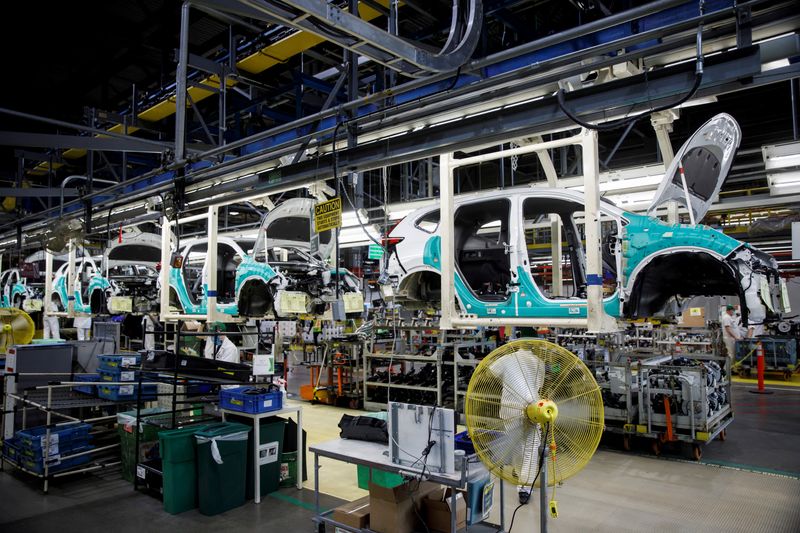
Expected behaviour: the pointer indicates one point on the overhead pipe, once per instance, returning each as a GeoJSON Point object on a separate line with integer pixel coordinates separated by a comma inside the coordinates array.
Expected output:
{"type": "Point", "coordinates": [224, 167]}
{"type": "Point", "coordinates": [75, 177]}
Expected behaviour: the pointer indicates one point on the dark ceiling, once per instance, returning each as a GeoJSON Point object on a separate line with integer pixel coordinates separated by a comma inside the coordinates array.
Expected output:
{"type": "Point", "coordinates": [91, 54]}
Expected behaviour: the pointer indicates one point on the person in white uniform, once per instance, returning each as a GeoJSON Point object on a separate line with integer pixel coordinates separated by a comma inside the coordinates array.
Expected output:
{"type": "Point", "coordinates": [149, 324]}
{"type": "Point", "coordinates": [51, 329]}
{"type": "Point", "coordinates": [730, 331]}
{"type": "Point", "coordinates": [83, 324]}
{"type": "Point", "coordinates": [220, 347]}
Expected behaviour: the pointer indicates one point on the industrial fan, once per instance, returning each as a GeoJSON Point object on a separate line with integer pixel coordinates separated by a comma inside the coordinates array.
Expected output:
{"type": "Point", "coordinates": [57, 238]}
{"type": "Point", "coordinates": [530, 404]}
{"type": "Point", "coordinates": [16, 327]}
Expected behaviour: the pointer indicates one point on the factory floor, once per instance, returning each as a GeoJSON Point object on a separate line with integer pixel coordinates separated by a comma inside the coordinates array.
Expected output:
{"type": "Point", "coordinates": [750, 482]}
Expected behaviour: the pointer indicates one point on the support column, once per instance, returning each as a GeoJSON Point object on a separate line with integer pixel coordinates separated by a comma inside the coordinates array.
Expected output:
{"type": "Point", "coordinates": [166, 266]}
{"type": "Point", "coordinates": [555, 224]}
{"type": "Point", "coordinates": [71, 257]}
{"type": "Point", "coordinates": [180, 86]}
{"type": "Point", "coordinates": [662, 124]}
{"type": "Point", "coordinates": [594, 264]}
{"type": "Point", "coordinates": [446, 252]}
{"type": "Point", "coordinates": [211, 265]}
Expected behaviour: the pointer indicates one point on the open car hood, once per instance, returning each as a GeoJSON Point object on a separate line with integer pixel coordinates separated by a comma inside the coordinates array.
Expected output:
{"type": "Point", "coordinates": [289, 226]}
{"type": "Point", "coordinates": [135, 249]}
{"type": "Point", "coordinates": [706, 158]}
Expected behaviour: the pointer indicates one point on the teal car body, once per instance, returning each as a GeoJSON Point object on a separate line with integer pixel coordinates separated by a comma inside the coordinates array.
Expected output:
{"type": "Point", "coordinates": [642, 245]}
{"type": "Point", "coordinates": [248, 270]}
{"type": "Point", "coordinates": [97, 282]}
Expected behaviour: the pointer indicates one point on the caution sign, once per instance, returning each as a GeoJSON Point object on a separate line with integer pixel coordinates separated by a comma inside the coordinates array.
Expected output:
{"type": "Point", "coordinates": [328, 215]}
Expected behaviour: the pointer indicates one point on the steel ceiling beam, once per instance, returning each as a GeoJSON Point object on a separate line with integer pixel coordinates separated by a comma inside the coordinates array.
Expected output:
{"type": "Point", "coordinates": [43, 140]}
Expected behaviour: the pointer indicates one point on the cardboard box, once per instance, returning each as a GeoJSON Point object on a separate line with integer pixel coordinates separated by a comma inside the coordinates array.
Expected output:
{"type": "Point", "coordinates": [392, 510]}
{"type": "Point", "coordinates": [353, 514]}
{"type": "Point", "coordinates": [694, 317]}
{"type": "Point", "coordinates": [438, 510]}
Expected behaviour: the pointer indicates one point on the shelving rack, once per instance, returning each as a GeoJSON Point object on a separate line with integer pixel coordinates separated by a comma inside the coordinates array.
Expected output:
{"type": "Point", "coordinates": [60, 405]}
{"type": "Point", "coordinates": [403, 352]}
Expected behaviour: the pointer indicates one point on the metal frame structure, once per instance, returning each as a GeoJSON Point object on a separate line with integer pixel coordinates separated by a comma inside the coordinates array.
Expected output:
{"type": "Point", "coordinates": [426, 113]}
{"type": "Point", "coordinates": [597, 320]}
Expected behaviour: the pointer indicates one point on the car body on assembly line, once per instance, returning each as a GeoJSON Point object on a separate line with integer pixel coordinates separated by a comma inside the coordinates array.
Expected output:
{"type": "Point", "coordinates": [89, 289]}
{"type": "Point", "coordinates": [15, 292]}
{"type": "Point", "coordinates": [287, 244]}
{"type": "Point", "coordinates": [283, 274]}
{"type": "Point", "coordinates": [503, 241]}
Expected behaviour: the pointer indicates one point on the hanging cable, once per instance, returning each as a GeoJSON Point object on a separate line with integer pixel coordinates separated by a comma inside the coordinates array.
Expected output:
{"type": "Point", "coordinates": [621, 123]}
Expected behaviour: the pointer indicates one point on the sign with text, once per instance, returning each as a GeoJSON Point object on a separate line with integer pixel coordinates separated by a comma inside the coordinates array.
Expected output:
{"type": "Point", "coordinates": [328, 215]}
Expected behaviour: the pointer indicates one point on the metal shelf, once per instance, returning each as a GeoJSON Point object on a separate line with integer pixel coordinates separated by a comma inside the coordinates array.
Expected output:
{"type": "Point", "coordinates": [400, 386]}
{"type": "Point", "coordinates": [403, 357]}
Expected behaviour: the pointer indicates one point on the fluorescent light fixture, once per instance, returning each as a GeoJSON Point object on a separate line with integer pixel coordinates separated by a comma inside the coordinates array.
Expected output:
{"type": "Point", "coordinates": [349, 218]}
{"type": "Point", "coordinates": [356, 236]}
{"type": "Point", "coordinates": [777, 159]}
{"type": "Point", "coordinates": [635, 201]}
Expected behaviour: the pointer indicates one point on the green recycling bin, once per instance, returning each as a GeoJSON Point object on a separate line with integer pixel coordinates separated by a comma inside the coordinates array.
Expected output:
{"type": "Point", "coordinates": [221, 467]}
{"type": "Point", "coordinates": [148, 440]}
{"type": "Point", "coordinates": [288, 469]}
{"type": "Point", "coordinates": [179, 468]}
{"type": "Point", "coordinates": [271, 439]}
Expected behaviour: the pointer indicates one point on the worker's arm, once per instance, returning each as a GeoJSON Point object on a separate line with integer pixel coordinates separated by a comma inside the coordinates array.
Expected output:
{"type": "Point", "coordinates": [732, 333]}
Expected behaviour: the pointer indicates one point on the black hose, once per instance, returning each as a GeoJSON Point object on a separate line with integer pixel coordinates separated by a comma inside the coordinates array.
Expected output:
{"type": "Point", "coordinates": [616, 124]}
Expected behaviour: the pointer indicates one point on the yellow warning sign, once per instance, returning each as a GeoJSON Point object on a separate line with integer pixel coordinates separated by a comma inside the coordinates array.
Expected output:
{"type": "Point", "coordinates": [328, 215]}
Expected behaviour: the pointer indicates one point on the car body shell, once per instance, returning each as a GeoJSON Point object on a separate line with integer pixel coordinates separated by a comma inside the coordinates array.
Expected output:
{"type": "Point", "coordinates": [640, 240]}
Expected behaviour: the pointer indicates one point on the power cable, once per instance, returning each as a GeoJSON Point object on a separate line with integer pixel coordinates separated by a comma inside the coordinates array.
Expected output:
{"type": "Point", "coordinates": [616, 124]}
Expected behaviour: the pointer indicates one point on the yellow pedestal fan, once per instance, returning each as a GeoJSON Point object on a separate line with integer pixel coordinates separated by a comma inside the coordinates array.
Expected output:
{"type": "Point", "coordinates": [534, 413]}
{"type": "Point", "coordinates": [16, 327]}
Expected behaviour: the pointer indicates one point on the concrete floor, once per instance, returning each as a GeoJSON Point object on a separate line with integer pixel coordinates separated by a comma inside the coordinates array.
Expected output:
{"type": "Point", "coordinates": [751, 482]}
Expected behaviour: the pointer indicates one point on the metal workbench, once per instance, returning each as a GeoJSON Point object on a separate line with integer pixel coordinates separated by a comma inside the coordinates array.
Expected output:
{"type": "Point", "coordinates": [375, 455]}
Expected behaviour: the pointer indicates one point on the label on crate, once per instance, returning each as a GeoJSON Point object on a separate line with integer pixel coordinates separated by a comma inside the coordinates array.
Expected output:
{"type": "Point", "coordinates": [54, 460]}
{"type": "Point", "coordinates": [128, 361]}
{"type": "Point", "coordinates": [140, 472]}
{"type": "Point", "coordinates": [125, 390]}
{"type": "Point", "coordinates": [53, 448]}
{"type": "Point", "coordinates": [127, 376]}
{"type": "Point", "coordinates": [268, 403]}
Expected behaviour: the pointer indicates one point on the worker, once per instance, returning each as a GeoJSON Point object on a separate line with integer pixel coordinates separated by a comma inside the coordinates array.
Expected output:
{"type": "Point", "coordinates": [149, 322]}
{"type": "Point", "coordinates": [730, 331]}
{"type": "Point", "coordinates": [220, 347]}
{"type": "Point", "coordinates": [83, 324]}
{"type": "Point", "coordinates": [754, 330]}
{"type": "Point", "coordinates": [51, 329]}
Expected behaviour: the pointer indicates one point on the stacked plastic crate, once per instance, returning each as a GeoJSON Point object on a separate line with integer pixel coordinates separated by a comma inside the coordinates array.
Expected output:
{"type": "Point", "coordinates": [118, 370]}
{"type": "Point", "coordinates": [67, 447]}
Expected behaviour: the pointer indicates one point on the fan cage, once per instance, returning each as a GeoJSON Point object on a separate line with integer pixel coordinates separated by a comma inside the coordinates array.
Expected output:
{"type": "Point", "coordinates": [505, 383]}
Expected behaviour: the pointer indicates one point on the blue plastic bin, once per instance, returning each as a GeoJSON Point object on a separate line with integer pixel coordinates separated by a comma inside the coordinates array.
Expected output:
{"type": "Point", "coordinates": [118, 374]}
{"type": "Point", "coordinates": [463, 442]}
{"type": "Point", "coordinates": [246, 400]}
{"type": "Point", "coordinates": [119, 393]}
{"type": "Point", "coordinates": [87, 389]}
{"type": "Point", "coordinates": [117, 361]}
{"type": "Point", "coordinates": [56, 465]}
{"type": "Point", "coordinates": [33, 438]}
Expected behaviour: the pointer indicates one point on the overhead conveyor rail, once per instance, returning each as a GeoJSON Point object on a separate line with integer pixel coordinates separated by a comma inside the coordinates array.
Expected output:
{"type": "Point", "coordinates": [333, 24]}
{"type": "Point", "coordinates": [439, 114]}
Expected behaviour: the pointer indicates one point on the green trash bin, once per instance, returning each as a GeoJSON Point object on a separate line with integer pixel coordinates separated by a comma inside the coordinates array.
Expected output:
{"type": "Point", "coordinates": [148, 441]}
{"type": "Point", "coordinates": [178, 461]}
{"type": "Point", "coordinates": [288, 469]}
{"type": "Point", "coordinates": [221, 467]}
{"type": "Point", "coordinates": [272, 447]}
